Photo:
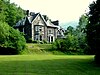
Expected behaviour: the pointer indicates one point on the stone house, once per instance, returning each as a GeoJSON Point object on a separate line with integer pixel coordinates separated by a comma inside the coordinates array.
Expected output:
{"type": "Point", "coordinates": [38, 27]}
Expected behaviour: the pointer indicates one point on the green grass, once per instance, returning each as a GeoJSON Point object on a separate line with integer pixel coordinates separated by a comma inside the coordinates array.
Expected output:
{"type": "Point", "coordinates": [41, 49]}
{"type": "Point", "coordinates": [38, 49]}
{"type": "Point", "coordinates": [48, 65]}
{"type": "Point", "coordinates": [42, 46]}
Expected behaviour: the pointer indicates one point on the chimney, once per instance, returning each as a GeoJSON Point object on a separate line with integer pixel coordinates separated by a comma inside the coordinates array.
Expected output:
{"type": "Point", "coordinates": [56, 22]}
{"type": "Point", "coordinates": [45, 17]}
{"type": "Point", "coordinates": [27, 12]}
{"type": "Point", "coordinates": [32, 13]}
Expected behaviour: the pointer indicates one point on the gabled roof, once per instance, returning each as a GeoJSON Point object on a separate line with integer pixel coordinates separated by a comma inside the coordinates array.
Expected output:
{"type": "Point", "coordinates": [42, 18]}
{"type": "Point", "coordinates": [55, 22]}
{"type": "Point", "coordinates": [21, 22]}
{"type": "Point", "coordinates": [50, 24]}
{"type": "Point", "coordinates": [31, 18]}
{"type": "Point", "coordinates": [47, 22]}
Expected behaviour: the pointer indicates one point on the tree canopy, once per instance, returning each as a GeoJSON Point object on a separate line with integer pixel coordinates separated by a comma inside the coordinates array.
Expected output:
{"type": "Point", "coordinates": [93, 29]}
{"type": "Point", "coordinates": [10, 39]}
{"type": "Point", "coordinates": [10, 12]}
{"type": "Point", "coordinates": [75, 41]}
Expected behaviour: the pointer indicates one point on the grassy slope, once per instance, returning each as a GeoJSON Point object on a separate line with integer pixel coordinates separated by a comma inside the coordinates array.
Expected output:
{"type": "Point", "coordinates": [41, 49]}
{"type": "Point", "coordinates": [38, 49]}
{"type": "Point", "coordinates": [48, 65]}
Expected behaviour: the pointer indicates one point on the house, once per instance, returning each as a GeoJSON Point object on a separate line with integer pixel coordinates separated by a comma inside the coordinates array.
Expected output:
{"type": "Point", "coordinates": [60, 33]}
{"type": "Point", "coordinates": [38, 27]}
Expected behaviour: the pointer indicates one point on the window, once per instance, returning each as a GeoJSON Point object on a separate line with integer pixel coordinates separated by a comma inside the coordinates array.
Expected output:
{"type": "Point", "coordinates": [40, 28]}
{"type": "Point", "coordinates": [50, 31]}
{"type": "Point", "coordinates": [36, 37]}
{"type": "Point", "coordinates": [36, 28]}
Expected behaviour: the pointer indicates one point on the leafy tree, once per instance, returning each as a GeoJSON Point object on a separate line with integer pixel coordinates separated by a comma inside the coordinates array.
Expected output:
{"type": "Point", "coordinates": [70, 30]}
{"type": "Point", "coordinates": [75, 41]}
{"type": "Point", "coordinates": [93, 29]}
{"type": "Point", "coordinates": [14, 14]}
{"type": "Point", "coordinates": [83, 21]}
{"type": "Point", "coordinates": [81, 34]}
{"type": "Point", "coordinates": [2, 13]}
{"type": "Point", "coordinates": [11, 38]}
{"type": "Point", "coordinates": [10, 13]}
{"type": "Point", "coordinates": [68, 45]}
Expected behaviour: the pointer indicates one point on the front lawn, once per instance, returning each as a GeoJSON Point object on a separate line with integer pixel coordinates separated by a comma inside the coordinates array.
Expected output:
{"type": "Point", "coordinates": [48, 65]}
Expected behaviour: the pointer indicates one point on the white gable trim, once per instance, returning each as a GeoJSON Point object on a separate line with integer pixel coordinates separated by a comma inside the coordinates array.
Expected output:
{"type": "Point", "coordinates": [35, 18]}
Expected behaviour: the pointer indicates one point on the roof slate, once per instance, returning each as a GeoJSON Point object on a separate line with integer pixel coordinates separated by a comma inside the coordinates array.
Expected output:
{"type": "Point", "coordinates": [30, 18]}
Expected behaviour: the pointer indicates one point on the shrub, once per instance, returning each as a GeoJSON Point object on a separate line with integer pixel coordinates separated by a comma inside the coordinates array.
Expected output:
{"type": "Point", "coordinates": [34, 41]}
{"type": "Point", "coordinates": [45, 42]}
{"type": "Point", "coordinates": [69, 45]}
{"type": "Point", "coordinates": [60, 45]}
{"type": "Point", "coordinates": [29, 40]}
{"type": "Point", "coordinates": [7, 51]}
{"type": "Point", "coordinates": [11, 38]}
{"type": "Point", "coordinates": [41, 42]}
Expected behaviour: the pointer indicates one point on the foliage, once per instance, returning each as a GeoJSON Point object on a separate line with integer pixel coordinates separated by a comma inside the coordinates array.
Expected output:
{"type": "Point", "coordinates": [29, 40]}
{"type": "Point", "coordinates": [45, 42]}
{"type": "Point", "coordinates": [93, 29]}
{"type": "Point", "coordinates": [75, 41]}
{"type": "Point", "coordinates": [70, 30]}
{"type": "Point", "coordinates": [60, 45]}
{"type": "Point", "coordinates": [68, 45]}
{"type": "Point", "coordinates": [11, 38]}
{"type": "Point", "coordinates": [81, 34]}
{"type": "Point", "coordinates": [35, 41]}
{"type": "Point", "coordinates": [10, 13]}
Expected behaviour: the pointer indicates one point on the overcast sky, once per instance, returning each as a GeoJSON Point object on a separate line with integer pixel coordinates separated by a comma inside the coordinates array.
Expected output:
{"type": "Point", "coordinates": [62, 10]}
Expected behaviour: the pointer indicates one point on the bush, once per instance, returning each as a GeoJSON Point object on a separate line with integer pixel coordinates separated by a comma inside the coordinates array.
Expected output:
{"type": "Point", "coordinates": [34, 41]}
{"type": "Point", "coordinates": [69, 45]}
{"type": "Point", "coordinates": [11, 38]}
{"type": "Point", "coordinates": [29, 40]}
{"type": "Point", "coordinates": [7, 51]}
{"type": "Point", "coordinates": [41, 42]}
{"type": "Point", "coordinates": [60, 45]}
{"type": "Point", "coordinates": [45, 42]}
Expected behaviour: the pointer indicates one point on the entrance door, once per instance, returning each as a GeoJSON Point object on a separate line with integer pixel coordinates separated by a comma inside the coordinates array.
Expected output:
{"type": "Point", "coordinates": [50, 39]}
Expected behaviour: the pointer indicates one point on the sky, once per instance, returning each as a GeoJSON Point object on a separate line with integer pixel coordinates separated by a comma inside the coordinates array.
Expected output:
{"type": "Point", "coordinates": [62, 10]}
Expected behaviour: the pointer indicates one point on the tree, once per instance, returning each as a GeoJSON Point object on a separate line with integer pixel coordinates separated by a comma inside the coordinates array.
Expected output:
{"type": "Point", "coordinates": [10, 13]}
{"type": "Point", "coordinates": [2, 13]}
{"type": "Point", "coordinates": [81, 34]}
{"type": "Point", "coordinates": [11, 38]}
{"type": "Point", "coordinates": [70, 44]}
{"type": "Point", "coordinates": [83, 21]}
{"type": "Point", "coordinates": [14, 14]}
{"type": "Point", "coordinates": [70, 30]}
{"type": "Point", "coordinates": [93, 29]}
